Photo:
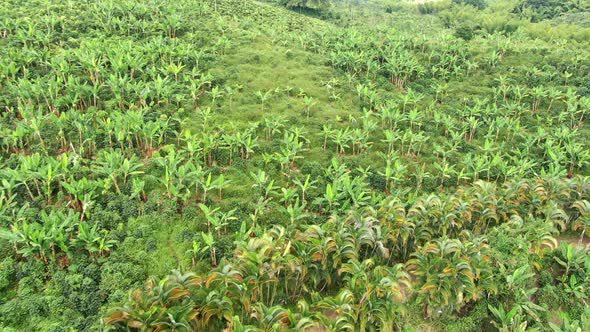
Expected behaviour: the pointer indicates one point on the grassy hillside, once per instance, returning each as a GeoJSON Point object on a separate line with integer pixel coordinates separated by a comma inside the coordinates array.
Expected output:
{"type": "Point", "coordinates": [235, 165]}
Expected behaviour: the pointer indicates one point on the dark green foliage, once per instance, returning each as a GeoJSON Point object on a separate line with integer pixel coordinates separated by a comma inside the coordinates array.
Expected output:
{"type": "Point", "coordinates": [479, 4]}
{"type": "Point", "coordinates": [464, 32]}
{"type": "Point", "coordinates": [7, 273]}
{"type": "Point", "coordinates": [548, 9]}
{"type": "Point", "coordinates": [581, 19]}
{"type": "Point", "coordinates": [306, 4]}
{"type": "Point", "coordinates": [432, 7]}
{"type": "Point", "coordinates": [549, 296]}
{"type": "Point", "coordinates": [473, 320]}
{"type": "Point", "coordinates": [119, 276]}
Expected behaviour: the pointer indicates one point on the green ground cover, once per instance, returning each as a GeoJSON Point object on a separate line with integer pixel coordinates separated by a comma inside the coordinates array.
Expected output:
{"type": "Point", "coordinates": [238, 165]}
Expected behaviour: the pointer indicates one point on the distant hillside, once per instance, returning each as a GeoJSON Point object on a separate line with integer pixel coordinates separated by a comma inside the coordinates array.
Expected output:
{"type": "Point", "coordinates": [580, 19]}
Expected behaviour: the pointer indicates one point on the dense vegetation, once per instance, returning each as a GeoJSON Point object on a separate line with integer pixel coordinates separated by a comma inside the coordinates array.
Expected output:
{"type": "Point", "coordinates": [201, 165]}
{"type": "Point", "coordinates": [545, 9]}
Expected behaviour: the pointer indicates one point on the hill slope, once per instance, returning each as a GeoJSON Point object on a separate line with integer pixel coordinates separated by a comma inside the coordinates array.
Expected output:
{"type": "Point", "coordinates": [225, 164]}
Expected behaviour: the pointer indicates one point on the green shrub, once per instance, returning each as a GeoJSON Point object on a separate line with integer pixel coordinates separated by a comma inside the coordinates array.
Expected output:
{"type": "Point", "coordinates": [479, 4]}
{"type": "Point", "coordinates": [464, 32]}
{"type": "Point", "coordinates": [547, 296]}
{"type": "Point", "coordinates": [547, 9]}
{"type": "Point", "coordinates": [7, 272]}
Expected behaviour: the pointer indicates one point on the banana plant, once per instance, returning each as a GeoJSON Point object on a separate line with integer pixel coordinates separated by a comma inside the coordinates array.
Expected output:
{"type": "Point", "coordinates": [421, 174]}
{"type": "Point", "coordinates": [264, 184]}
{"type": "Point", "coordinates": [394, 172]}
{"type": "Point", "coordinates": [90, 239]}
{"type": "Point", "coordinates": [6, 206]}
{"type": "Point", "coordinates": [230, 93]}
{"type": "Point", "coordinates": [183, 178]}
{"type": "Point", "coordinates": [330, 199]}
{"type": "Point", "coordinates": [445, 170]}
{"type": "Point", "coordinates": [53, 170]}
{"type": "Point", "coordinates": [207, 185]}
{"type": "Point", "coordinates": [578, 156]}
{"type": "Point", "coordinates": [209, 241]}
{"type": "Point", "coordinates": [309, 103]}
{"type": "Point", "coordinates": [195, 252]}
{"type": "Point", "coordinates": [211, 217]}
{"type": "Point", "coordinates": [221, 183]}
{"type": "Point", "coordinates": [171, 163]}
{"type": "Point", "coordinates": [138, 189]}
{"type": "Point", "coordinates": [295, 211]}
{"type": "Point", "coordinates": [118, 168]}
{"type": "Point", "coordinates": [305, 186]}
{"type": "Point", "coordinates": [360, 140]}
{"type": "Point", "coordinates": [288, 195]}
{"type": "Point", "coordinates": [341, 138]}
{"type": "Point", "coordinates": [174, 69]}
{"type": "Point", "coordinates": [192, 147]}
{"type": "Point", "coordinates": [83, 192]}
{"type": "Point", "coordinates": [215, 94]}
{"type": "Point", "coordinates": [263, 97]}
{"type": "Point", "coordinates": [10, 182]}
{"type": "Point", "coordinates": [570, 260]}
{"type": "Point", "coordinates": [197, 83]}
{"type": "Point", "coordinates": [568, 324]}
{"type": "Point", "coordinates": [273, 126]}
{"type": "Point", "coordinates": [29, 240]}
{"type": "Point", "coordinates": [517, 283]}
{"type": "Point", "coordinates": [508, 321]}
{"type": "Point", "coordinates": [415, 117]}
{"type": "Point", "coordinates": [248, 143]}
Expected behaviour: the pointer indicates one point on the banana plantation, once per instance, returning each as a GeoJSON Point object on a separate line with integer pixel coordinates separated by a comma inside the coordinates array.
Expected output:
{"type": "Point", "coordinates": [344, 165]}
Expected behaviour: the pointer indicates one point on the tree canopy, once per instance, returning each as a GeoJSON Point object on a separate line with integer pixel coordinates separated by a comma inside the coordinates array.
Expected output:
{"type": "Point", "coordinates": [479, 4]}
{"type": "Point", "coordinates": [307, 4]}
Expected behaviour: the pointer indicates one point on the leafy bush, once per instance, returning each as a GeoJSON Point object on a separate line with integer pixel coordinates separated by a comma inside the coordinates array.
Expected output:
{"type": "Point", "coordinates": [431, 8]}
{"type": "Point", "coordinates": [7, 272]}
{"type": "Point", "coordinates": [548, 296]}
{"type": "Point", "coordinates": [479, 4]}
{"type": "Point", "coordinates": [305, 4]}
{"type": "Point", "coordinates": [547, 9]}
{"type": "Point", "coordinates": [464, 32]}
{"type": "Point", "coordinates": [471, 321]}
